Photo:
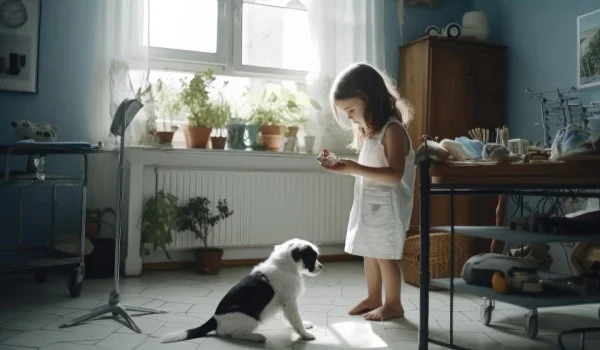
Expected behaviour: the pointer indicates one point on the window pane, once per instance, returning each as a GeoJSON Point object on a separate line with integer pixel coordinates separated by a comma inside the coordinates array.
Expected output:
{"type": "Point", "coordinates": [275, 36]}
{"type": "Point", "coordinates": [183, 24]}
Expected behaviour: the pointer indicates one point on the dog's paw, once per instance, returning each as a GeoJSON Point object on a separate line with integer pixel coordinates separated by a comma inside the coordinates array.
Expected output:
{"type": "Point", "coordinates": [308, 324]}
{"type": "Point", "coordinates": [308, 336]}
{"type": "Point", "coordinates": [257, 338]}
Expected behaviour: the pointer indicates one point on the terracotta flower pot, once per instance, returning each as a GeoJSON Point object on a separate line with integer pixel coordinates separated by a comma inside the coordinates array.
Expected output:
{"type": "Point", "coordinates": [208, 261]}
{"type": "Point", "coordinates": [293, 131]}
{"type": "Point", "coordinates": [165, 137]}
{"type": "Point", "coordinates": [271, 137]}
{"type": "Point", "coordinates": [197, 136]}
{"type": "Point", "coordinates": [92, 229]}
{"type": "Point", "coordinates": [218, 142]}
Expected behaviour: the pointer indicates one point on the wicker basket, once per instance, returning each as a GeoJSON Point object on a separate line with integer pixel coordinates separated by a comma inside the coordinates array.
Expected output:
{"type": "Point", "coordinates": [439, 255]}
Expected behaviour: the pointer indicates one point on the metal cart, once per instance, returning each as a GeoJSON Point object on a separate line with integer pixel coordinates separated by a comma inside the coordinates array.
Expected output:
{"type": "Point", "coordinates": [42, 257]}
{"type": "Point", "coordinates": [546, 179]}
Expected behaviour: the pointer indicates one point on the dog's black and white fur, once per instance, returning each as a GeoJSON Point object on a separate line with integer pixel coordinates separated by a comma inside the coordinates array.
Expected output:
{"type": "Point", "coordinates": [273, 285]}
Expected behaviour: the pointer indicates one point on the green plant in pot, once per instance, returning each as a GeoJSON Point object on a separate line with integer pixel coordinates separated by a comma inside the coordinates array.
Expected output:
{"type": "Point", "coordinates": [94, 218]}
{"type": "Point", "coordinates": [270, 120]}
{"type": "Point", "coordinates": [220, 112]}
{"type": "Point", "coordinates": [168, 104]}
{"type": "Point", "coordinates": [195, 97]}
{"type": "Point", "coordinates": [295, 106]}
{"type": "Point", "coordinates": [198, 218]}
{"type": "Point", "coordinates": [159, 219]}
{"type": "Point", "coordinates": [236, 133]}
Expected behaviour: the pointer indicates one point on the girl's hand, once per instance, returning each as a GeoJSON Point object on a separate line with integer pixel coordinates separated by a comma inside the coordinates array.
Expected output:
{"type": "Point", "coordinates": [344, 166]}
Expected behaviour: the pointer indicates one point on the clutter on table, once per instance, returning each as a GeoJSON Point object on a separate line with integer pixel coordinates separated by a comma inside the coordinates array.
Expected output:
{"type": "Point", "coordinates": [515, 275]}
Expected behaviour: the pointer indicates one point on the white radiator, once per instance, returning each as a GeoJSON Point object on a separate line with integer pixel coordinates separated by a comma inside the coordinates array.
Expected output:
{"type": "Point", "coordinates": [269, 207]}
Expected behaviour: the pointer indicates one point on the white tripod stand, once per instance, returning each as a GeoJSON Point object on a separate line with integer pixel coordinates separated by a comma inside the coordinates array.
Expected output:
{"type": "Point", "coordinates": [123, 117]}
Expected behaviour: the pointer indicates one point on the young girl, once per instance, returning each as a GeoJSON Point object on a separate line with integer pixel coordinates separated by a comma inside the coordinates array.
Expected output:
{"type": "Point", "coordinates": [384, 182]}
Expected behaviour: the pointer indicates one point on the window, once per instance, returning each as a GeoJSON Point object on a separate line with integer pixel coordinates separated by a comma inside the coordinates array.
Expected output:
{"type": "Point", "coordinates": [250, 38]}
{"type": "Point", "coordinates": [232, 88]}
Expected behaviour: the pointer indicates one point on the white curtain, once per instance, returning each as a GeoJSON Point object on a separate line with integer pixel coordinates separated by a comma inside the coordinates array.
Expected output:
{"type": "Point", "coordinates": [120, 68]}
{"type": "Point", "coordinates": [343, 32]}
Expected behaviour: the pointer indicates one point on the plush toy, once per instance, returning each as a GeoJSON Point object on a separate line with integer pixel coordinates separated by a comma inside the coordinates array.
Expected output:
{"type": "Point", "coordinates": [38, 132]}
{"type": "Point", "coordinates": [455, 149]}
{"type": "Point", "coordinates": [434, 150]}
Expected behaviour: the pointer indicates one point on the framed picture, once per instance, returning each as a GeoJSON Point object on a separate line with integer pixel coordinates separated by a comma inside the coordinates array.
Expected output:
{"type": "Point", "coordinates": [588, 50]}
{"type": "Point", "coordinates": [19, 45]}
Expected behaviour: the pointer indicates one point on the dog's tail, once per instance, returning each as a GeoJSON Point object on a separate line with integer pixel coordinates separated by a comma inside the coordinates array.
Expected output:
{"type": "Point", "coordinates": [201, 331]}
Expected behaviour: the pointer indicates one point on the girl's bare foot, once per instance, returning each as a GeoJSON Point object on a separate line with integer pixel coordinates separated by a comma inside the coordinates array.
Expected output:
{"type": "Point", "coordinates": [364, 306]}
{"type": "Point", "coordinates": [385, 312]}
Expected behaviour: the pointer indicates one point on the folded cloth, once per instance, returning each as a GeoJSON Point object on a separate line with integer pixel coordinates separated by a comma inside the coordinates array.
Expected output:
{"type": "Point", "coordinates": [472, 147]}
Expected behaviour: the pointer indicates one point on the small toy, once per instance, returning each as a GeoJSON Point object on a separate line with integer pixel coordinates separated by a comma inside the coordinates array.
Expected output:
{"type": "Point", "coordinates": [327, 159]}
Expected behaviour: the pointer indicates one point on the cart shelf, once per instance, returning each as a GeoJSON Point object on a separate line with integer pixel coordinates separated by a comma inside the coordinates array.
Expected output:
{"type": "Point", "coordinates": [517, 236]}
{"type": "Point", "coordinates": [522, 300]}
{"type": "Point", "coordinates": [39, 263]}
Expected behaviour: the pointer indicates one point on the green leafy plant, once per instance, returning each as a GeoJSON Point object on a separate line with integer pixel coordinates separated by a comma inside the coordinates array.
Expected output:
{"type": "Point", "coordinates": [281, 106]}
{"type": "Point", "coordinates": [168, 102]}
{"type": "Point", "coordinates": [219, 114]}
{"type": "Point", "coordinates": [265, 115]}
{"type": "Point", "coordinates": [198, 218]}
{"type": "Point", "coordinates": [296, 105]}
{"type": "Point", "coordinates": [159, 219]}
{"type": "Point", "coordinates": [195, 96]}
{"type": "Point", "coordinates": [97, 216]}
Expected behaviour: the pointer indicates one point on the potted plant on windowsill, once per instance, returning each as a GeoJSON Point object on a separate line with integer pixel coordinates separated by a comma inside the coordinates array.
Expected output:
{"type": "Point", "coordinates": [270, 121]}
{"type": "Point", "coordinates": [220, 115]}
{"type": "Point", "coordinates": [196, 216]}
{"type": "Point", "coordinates": [159, 219]}
{"type": "Point", "coordinates": [195, 96]}
{"type": "Point", "coordinates": [169, 105]}
{"type": "Point", "coordinates": [295, 107]}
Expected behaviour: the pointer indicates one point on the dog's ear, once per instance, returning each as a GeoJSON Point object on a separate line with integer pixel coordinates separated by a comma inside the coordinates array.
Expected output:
{"type": "Point", "coordinates": [296, 254]}
{"type": "Point", "coordinates": [308, 256]}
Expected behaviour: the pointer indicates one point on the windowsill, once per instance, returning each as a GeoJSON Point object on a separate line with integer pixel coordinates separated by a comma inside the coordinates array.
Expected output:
{"type": "Point", "coordinates": [221, 152]}
{"type": "Point", "coordinates": [222, 159]}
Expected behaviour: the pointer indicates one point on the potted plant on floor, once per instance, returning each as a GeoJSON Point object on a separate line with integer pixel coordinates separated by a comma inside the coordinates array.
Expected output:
{"type": "Point", "coordinates": [94, 218]}
{"type": "Point", "coordinates": [196, 216]}
{"type": "Point", "coordinates": [195, 96]}
{"type": "Point", "coordinates": [168, 104]}
{"type": "Point", "coordinates": [159, 219]}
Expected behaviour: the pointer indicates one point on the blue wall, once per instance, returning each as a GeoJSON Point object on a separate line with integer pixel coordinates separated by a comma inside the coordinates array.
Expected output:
{"type": "Point", "coordinates": [542, 54]}
{"type": "Point", "coordinates": [416, 19]}
{"type": "Point", "coordinates": [63, 98]}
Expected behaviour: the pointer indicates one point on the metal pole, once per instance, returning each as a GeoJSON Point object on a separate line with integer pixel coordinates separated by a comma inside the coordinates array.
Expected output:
{"type": "Point", "coordinates": [424, 189]}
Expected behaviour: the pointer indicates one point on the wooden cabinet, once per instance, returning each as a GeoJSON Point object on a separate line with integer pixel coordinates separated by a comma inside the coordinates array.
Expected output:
{"type": "Point", "coordinates": [453, 85]}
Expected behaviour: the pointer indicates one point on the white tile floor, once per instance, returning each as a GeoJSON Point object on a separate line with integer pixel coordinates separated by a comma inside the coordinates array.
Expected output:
{"type": "Point", "coordinates": [30, 315]}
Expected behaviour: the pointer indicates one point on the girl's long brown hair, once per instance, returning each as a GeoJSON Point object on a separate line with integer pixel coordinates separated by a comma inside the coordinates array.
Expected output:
{"type": "Point", "coordinates": [377, 91]}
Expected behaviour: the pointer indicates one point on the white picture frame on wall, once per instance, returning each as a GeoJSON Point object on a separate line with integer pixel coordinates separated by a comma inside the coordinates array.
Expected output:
{"type": "Point", "coordinates": [588, 57]}
{"type": "Point", "coordinates": [19, 45]}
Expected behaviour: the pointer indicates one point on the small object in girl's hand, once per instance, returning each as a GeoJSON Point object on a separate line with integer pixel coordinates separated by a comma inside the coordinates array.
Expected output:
{"type": "Point", "coordinates": [327, 159]}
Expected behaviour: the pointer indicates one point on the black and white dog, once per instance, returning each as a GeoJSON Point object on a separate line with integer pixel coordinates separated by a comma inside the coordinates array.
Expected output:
{"type": "Point", "coordinates": [273, 285]}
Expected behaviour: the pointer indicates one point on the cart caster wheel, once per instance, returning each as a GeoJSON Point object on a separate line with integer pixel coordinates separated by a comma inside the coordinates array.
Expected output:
{"type": "Point", "coordinates": [41, 275]}
{"type": "Point", "coordinates": [486, 315]}
{"type": "Point", "coordinates": [531, 325]}
{"type": "Point", "coordinates": [75, 282]}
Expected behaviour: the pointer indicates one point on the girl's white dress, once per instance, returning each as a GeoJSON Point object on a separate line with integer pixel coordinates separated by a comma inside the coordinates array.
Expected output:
{"type": "Point", "coordinates": [380, 214]}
